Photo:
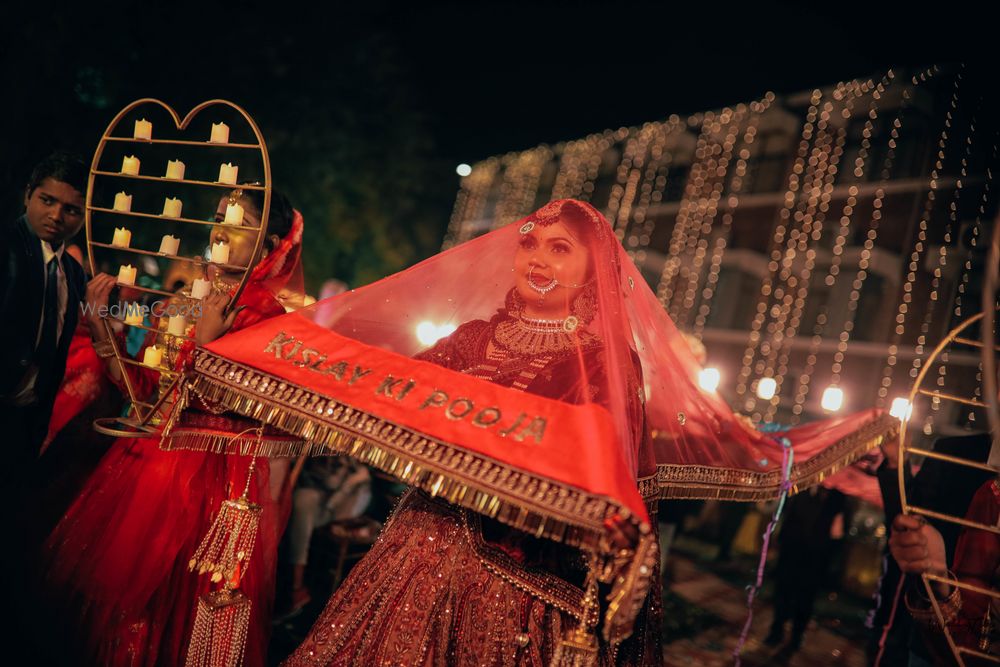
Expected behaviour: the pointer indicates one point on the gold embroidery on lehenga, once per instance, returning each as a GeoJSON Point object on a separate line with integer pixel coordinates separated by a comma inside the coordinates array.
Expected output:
{"type": "Point", "coordinates": [548, 588]}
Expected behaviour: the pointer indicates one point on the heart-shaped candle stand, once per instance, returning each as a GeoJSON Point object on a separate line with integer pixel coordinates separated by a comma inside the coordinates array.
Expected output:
{"type": "Point", "coordinates": [152, 180]}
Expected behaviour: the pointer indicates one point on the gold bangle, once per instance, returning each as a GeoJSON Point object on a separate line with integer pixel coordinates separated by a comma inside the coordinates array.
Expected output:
{"type": "Point", "coordinates": [104, 348]}
{"type": "Point", "coordinates": [925, 615]}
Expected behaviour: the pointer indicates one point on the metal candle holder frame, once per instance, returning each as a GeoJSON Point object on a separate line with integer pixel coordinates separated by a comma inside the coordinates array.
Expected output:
{"type": "Point", "coordinates": [988, 348]}
{"type": "Point", "coordinates": [141, 423]}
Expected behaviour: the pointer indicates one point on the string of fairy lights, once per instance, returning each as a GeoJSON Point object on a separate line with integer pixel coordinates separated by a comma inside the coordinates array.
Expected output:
{"type": "Point", "coordinates": [942, 262]}
{"type": "Point", "coordinates": [812, 250]}
{"type": "Point", "coordinates": [692, 198]}
{"type": "Point", "coordinates": [733, 202]}
{"type": "Point", "coordinates": [651, 190]}
{"type": "Point", "coordinates": [457, 222]}
{"type": "Point", "coordinates": [903, 309]}
{"type": "Point", "coordinates": [728, 124]}
{"type": "Point", "coordinates": [580, 163]}
{"type": "Point", "coordinates": [703, 207]}
{"type": "Point", "coordinates": [767, 284]}
{"type": "Point", "coordinates": [825, 159]}
{"type": "Point", "coordinates": [855, 90]}
{"type": "Point", "coordinates": [834, 391]}
{"type": "Point", "coordinates": [470, 206]}
{"type": "Point", "coordinates": [845, 97]}
{"type": "Point", "coordinates": [637, 175]}
{"type": "Point", "coordinates": [522, 173]}
{"type": "Point", "coordinates": [629, 171]}
{"type": "Point", "coordinates": [572, 156]}
{"type": "Point", "coordinates": [975, 233]}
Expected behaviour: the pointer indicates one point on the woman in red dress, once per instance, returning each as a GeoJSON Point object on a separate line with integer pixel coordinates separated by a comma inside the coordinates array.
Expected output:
{"type": "Point", "coordinates": [444, 585]}
{"type": "Point", "coordinates": [117, 563]}
{"type": "Point", "coordinates": [552, 307]}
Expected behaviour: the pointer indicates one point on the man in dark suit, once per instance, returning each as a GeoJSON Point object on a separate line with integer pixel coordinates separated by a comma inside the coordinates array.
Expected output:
{"type": "Point", "coordinates": [41, 288]}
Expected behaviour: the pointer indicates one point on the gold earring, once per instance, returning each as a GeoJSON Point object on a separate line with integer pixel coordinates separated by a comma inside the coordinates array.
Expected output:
{"type": "Point", "coordinates": [585, 304]}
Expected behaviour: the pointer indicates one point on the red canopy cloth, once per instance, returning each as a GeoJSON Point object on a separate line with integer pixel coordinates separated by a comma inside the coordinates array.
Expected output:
{"type": "Point", "coordinates": [539, 463]}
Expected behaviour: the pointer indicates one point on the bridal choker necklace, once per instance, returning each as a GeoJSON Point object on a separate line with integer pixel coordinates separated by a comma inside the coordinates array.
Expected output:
{"type": "Point", "coordinates": [527, 337]}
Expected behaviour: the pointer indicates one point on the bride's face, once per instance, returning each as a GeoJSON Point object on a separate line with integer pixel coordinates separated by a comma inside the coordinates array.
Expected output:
{"type": "Point", "coordinates": [550, 269]}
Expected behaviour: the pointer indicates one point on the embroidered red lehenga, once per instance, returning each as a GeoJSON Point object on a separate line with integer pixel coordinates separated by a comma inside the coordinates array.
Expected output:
{"type": "Point", "coordinates": [116, 566]}
{"type": "Point", "coordinates": [522, 433]}
{"type": "Point", "coordinates": [444, 586]}
{"type": "Point", "coordinates": [82, 385]}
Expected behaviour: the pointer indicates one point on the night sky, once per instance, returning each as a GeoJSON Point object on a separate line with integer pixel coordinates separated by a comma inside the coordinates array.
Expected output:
{"type": "Point", "coordinates": [396, 95]}
{"type": "Point", "coordinates": [497, 78]}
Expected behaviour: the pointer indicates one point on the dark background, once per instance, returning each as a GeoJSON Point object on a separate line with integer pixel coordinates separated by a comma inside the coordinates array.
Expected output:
{"type": "Point", "coordinates": [368, 107]}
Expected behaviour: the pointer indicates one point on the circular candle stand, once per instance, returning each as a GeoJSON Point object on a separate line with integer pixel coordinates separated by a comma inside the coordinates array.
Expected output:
{"type": "Point", "coordinates": [144, 417]}
{"type": "Point", "coordinates": [958, 340]}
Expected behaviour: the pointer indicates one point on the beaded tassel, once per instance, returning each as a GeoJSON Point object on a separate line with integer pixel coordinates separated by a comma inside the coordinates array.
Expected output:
{"type": "Point", "coordinates": [219, 636]}
{"type": "Point", "coordinates": [229, 541]}
{"type": "Point", "coordinates": [222, 618]}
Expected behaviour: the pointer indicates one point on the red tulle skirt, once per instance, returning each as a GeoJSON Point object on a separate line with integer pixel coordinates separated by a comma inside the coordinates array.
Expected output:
{"type": "Point", "coordinates": [116, 567]}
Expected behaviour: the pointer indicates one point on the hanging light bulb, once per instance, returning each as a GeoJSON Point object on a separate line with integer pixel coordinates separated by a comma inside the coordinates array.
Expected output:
{"type": "Point", "coordinates": [429, 333]}
{"type": "Point", "coordinates": [901, 408]}
{"type": "Point", "coordinates": [708, 379]}
{"type": "Point", "coordinates": [766, 388]}
{"type": "Point", "coordinates": [833, 399]}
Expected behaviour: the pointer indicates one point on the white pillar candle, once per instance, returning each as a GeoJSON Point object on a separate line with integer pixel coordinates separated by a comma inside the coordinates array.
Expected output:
{"type": "Point", "coordinates": [133, 314]}
{"type": "Point", "coordinates": [901, 409]}
{"type": "Point", "coordinates": [169, 245]}
{"type": "Point", "coordinates": [176, 325]}
{"type": "Point", "coordinates": [227, 174]}
{"type": "Point", "coordinates": [172, 207]}
{"type": "Point", "coordinates": [126, 274]}
{"type": "Point", "coordinates": [220, 252]}
{"type": "Point", "coordinates": [220, 133]}
{"type": "Point", "coordinates": [200, 288]}
{"type": "Point", "coordinates": [234, 214]}
{"type": "Point", "coordinates": [153, 356]}
{"type": "Point", "coordinates": [175, 169]}
{"type": "Point", "coordinates": [143, 130]}
{"type": "Point", "coordinates": [122, 237]}
{"type": "Point", "coordinates": [130, 165]}
{"type": "Point", "coordinates": [123, 202]}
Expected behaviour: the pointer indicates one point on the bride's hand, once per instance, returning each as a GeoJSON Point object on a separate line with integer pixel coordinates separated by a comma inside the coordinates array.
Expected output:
{"type": "Point", "coordinates": [214, 321]}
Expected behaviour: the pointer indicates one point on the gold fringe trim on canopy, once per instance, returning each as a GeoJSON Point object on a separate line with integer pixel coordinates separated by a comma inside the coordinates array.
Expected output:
{"type": "Point", "coordinates": [517, 498]}
{"type": "Point", "coordinates": [705, 482]}
{"type": "Point", "coordinates": [182, 433]}
{"type": "Point", "coordinates": [225, 443]}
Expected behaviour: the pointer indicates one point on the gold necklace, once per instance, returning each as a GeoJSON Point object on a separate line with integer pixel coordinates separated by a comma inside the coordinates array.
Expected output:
{"type": "Point", "coordinates": [530, 337]}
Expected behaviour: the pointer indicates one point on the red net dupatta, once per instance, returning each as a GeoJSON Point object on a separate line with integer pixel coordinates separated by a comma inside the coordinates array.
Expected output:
{"type": "Point", "coordinates": [530, 375]}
